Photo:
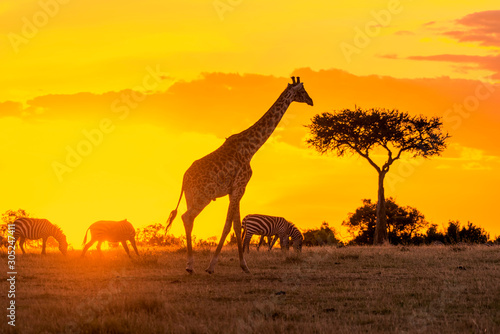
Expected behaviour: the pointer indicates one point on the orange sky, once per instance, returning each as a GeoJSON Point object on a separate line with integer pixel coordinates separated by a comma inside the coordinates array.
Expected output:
{"type": "Point", "coordinates": [141, 90]}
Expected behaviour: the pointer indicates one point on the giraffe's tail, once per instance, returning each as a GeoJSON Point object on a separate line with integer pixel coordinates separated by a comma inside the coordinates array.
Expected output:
{"type": "Point", "coordinates": [173, 214]}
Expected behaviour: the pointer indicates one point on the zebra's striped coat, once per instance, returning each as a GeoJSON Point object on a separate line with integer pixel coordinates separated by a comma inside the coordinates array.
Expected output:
{"type": "Point", "coordinates": [112, 231]}
{"type": "Point", "coordinates": [271, 226]}
{"type": "Point", "coordinates": [34, 229]}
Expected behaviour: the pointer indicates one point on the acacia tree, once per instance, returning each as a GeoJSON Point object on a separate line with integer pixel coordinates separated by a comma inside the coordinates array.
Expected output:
{"type": "Point", "coordinates": [363, 131]}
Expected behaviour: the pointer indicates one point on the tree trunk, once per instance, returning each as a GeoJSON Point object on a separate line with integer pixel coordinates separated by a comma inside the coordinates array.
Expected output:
{"type": "Point", "coordinates": [380, 236]}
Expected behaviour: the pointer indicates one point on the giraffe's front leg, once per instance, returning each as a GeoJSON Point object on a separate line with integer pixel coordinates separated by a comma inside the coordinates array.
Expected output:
{"type": "Point", "coordinates": [233, 216]}
{"type": "Point", "coordinates": [225, 232]}
{"type": "Point", "coordinates": [237, 227]}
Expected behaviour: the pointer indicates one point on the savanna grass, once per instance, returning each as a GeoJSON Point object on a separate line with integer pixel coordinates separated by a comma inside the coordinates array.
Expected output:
{"type": "Point", "coordinates": [433, 289]}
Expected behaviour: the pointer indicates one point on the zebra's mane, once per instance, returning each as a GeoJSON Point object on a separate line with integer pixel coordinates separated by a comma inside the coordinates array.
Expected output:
{"type": "Point", "coordinates": [58, 231]}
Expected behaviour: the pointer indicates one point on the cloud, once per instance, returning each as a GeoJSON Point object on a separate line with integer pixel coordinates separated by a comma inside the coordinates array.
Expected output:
{"type": "Point", "coordinates": [490, 63]}
{"type": "Point", "coordinates": [469, 159]}
{"type": "Point", "coordinates": [480, 27]}
{"type": "Point", "coordinates": [10, 108]}
{"type": "Point", "coordinates": [404, 33]}
{"type": "Point", "coordinates": [223, 104]}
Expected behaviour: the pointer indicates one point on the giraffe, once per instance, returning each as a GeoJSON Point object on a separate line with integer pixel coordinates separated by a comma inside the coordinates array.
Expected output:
{"type": "Point", "coordinates": [226, 171]}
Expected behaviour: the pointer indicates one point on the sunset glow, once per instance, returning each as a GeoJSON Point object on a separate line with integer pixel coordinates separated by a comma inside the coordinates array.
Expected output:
{"type": "Point", "coordinates": [104, 105]}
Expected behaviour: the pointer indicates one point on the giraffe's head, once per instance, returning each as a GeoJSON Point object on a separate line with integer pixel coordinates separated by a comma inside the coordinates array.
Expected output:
{"type": "Point", "coordinates": [300, 92]}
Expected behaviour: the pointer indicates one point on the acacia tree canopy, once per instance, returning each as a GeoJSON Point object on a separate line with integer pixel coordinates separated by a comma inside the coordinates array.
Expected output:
{"type": "Point", "coordinates": [359, 131]}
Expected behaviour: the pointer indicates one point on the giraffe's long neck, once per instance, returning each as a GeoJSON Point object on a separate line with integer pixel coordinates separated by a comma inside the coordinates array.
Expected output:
{"type": "Point", "coordinates": [254, 137]}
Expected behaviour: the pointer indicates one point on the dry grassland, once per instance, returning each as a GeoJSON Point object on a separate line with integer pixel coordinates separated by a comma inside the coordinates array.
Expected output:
{"type": "Point", "coordinates": [433, 289]}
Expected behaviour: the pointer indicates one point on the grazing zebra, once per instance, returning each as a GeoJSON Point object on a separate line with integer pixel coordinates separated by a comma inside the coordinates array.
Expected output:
{"type": "Point", "coordinates": [112, 231]}
{"type": "Point", "coordinates": [269, 226]}
{"type": "Point", "coordinates": [33, 229]}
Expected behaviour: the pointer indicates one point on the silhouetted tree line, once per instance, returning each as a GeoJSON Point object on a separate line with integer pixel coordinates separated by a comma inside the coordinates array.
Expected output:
{"type": "Point", "coordinates": [456, 233]}
{"type": "Point", "coordinates": [407, 226]}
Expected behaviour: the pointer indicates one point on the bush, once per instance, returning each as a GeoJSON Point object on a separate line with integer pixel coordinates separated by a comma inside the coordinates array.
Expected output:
{"type": "Point", "coordinates": [404, 224]}
{"type": "Point", "coordinates": [154, 235]}
{"type": "Point", "coordinates": [320, 237]}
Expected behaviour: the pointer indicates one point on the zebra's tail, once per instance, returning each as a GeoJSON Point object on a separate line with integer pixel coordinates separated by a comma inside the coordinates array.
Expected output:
{"type": "Point", "coordinates": [244, 230]}
{"type": "Point", "coordinates": [85, 239]}
{"type": "Point", "coordinates": [173, 214]}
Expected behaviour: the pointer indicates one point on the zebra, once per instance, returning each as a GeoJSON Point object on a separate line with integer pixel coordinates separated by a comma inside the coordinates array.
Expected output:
{"type": "Point", "coordinates": [112, 231]}
{"type": "Point", "coordinates": [33, 229]}
{"type": "Point", "coordinates": [269, 226]}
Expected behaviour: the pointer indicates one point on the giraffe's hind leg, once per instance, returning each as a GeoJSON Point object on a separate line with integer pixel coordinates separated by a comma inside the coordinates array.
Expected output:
{"type": "Point", "coordinates": [188, 220]}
